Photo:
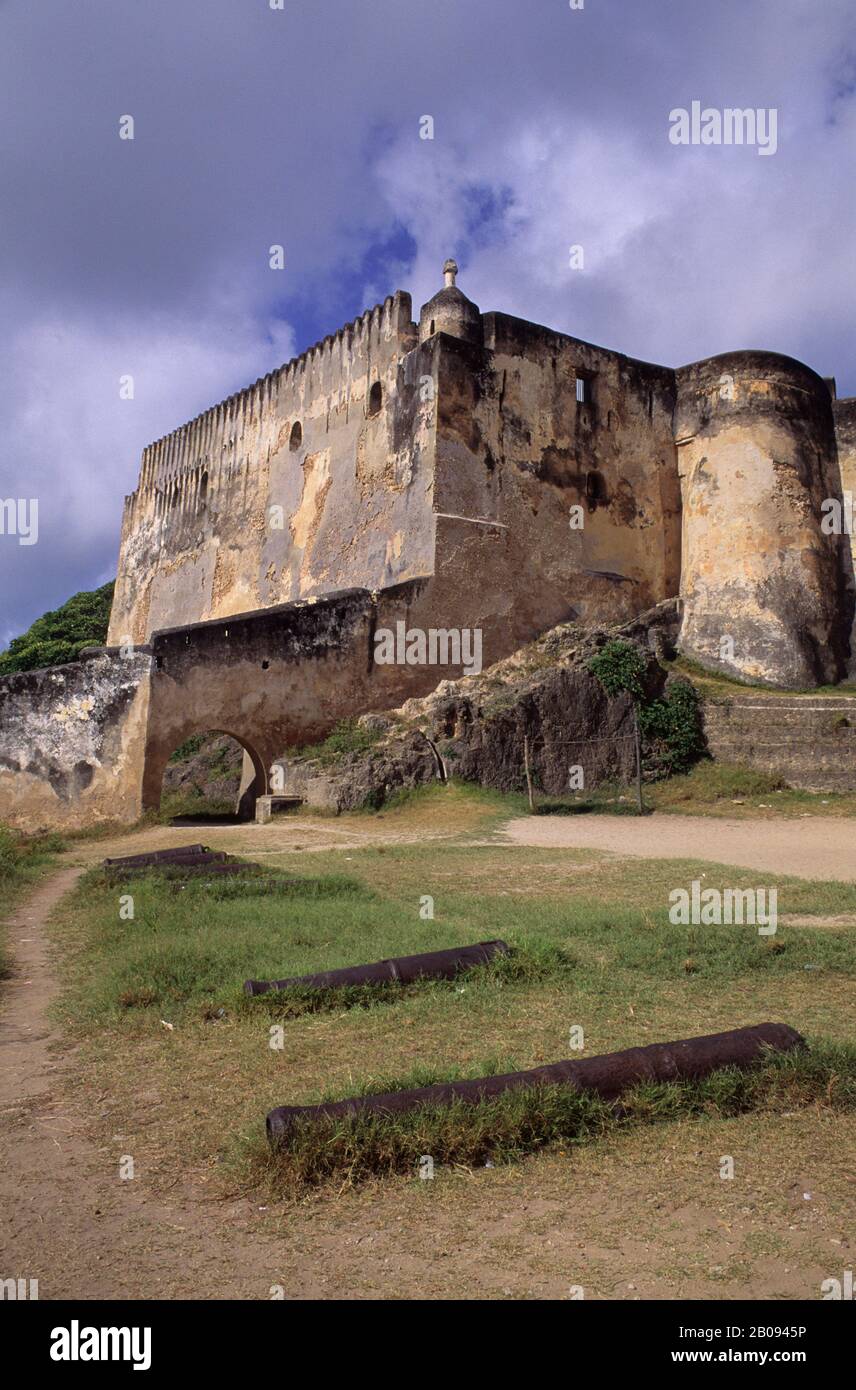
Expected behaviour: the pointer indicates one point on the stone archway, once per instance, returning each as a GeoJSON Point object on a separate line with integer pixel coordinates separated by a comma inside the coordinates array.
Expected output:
{"type": "Point", "coordinates": [253, 781]}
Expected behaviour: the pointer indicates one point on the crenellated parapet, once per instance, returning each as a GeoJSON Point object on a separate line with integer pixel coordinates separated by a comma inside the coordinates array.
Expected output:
{"type": "Point", "coordinates": [225, 437]}
{"type": "Point", "coordinates": [233, 509]}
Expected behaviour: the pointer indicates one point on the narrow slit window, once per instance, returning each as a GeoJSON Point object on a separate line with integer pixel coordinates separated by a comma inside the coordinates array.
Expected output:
{"type": "Point", "coordinates": [583, 390]}
{"type": "Point", "coordinates": [375, 398]}
{"type": "Point", "coordinates": [595, 488]}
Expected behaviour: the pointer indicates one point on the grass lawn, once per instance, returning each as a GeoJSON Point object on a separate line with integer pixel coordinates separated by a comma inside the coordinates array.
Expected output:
{"type": "Point", "coordinates": [709, 789]}
{"type": "Point", "coordinates": [601, 953]}
{"type": "Point", "coordinates": [629, 1209]}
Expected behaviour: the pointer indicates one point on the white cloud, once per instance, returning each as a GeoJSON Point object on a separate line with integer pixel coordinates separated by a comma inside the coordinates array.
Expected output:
{"type": "Point", "coordinates": [76, 444]}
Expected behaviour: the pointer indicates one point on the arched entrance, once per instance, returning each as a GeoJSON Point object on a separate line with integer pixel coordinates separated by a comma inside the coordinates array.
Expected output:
{"type": "Point", "coordinates": [210, 774]}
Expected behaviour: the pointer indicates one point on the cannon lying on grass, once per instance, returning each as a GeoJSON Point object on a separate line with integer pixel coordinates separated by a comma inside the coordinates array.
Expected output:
{"type": "Point", "coordinates": [431, 965]}
{"type": "Point", "coordinates": [186, 861]}
{"type": "Point", "coordinates": [607, 1076]}
{"type": "Point", "coordinates": [157, 856]}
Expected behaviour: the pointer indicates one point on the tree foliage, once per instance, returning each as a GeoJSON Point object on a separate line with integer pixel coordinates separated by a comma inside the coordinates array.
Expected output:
{"type": "Point", "coordinates": [60, 635]}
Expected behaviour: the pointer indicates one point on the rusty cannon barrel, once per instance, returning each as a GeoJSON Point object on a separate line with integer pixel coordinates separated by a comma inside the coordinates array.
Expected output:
{"type": "Point", "coordinates": [431, 965]}
{"type": "Point", "coordinates": [157, 856]}
{"type": "Point", "coordinates": [608, 1075]}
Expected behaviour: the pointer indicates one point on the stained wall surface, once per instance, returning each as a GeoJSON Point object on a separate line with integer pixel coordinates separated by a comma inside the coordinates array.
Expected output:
{"type": "Point", "coordinates": [72, 742]}
{"type": "Point", "coordinates": [303, 484]}
{"type": "Point", "coordinates": [767, 596]}
{"type": "Point", "coordinates": [844, 416]}
{"type": "Point", "coordinates": [581, 495]}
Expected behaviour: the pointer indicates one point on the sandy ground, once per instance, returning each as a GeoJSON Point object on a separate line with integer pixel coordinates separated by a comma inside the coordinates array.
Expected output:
{"type": "Point", "coordinates": [810, 848]}
{"type": "Point", "coordinates": [284, 834]}
{"type": "Point", "coordinates": [68, 1220]}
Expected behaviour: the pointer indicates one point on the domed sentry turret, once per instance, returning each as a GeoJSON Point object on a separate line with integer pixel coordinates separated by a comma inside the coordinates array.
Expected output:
{"type": "Point", "coordinates": [451, 312]}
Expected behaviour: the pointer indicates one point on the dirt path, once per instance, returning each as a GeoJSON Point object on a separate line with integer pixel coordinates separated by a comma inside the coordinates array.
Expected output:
{"type": "Point", "coordinates": [818, 849]}
{"type": "Point", "coordinates": [66, 1218]}
{"type": "Point", "coordinates": [283, 835]}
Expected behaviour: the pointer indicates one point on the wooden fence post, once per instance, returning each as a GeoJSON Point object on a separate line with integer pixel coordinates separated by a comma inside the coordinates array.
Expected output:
{"type": "Point", "coordinates": [528, 771]}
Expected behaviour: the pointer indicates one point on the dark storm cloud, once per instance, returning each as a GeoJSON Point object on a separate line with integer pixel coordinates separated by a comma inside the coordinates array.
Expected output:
{"type": "Point", "coordinates": [300, 127]}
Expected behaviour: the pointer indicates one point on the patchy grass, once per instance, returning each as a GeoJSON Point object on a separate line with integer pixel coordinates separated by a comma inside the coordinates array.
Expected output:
{"type": "Point", "coordinates": [187, 948]}
{"type": "Point", "coordinates": [505, 1128]}
{"type": "Point", "coordinates": [24, 859]}
{"type": "Point", "coordinates": [349, 736]}
{"type": "Point", "coordinates": [189, 1101]}
{"type": "Point", "coordinates": [455, 805]}
{"type": "Point", "coordinates": [709, 789]}
{"type": "Point", "coordinates": [525, 963]}
{"type": "Point", "coordinates": [724, 789]}
{"type": "Point", "coordinates": [191, 947]}
{"type": "Point", "coordinates": [715, 685]}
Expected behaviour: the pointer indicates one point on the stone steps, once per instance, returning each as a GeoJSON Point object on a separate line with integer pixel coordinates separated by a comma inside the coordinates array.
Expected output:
{"type": "Point", "coordinates": [808, 741]}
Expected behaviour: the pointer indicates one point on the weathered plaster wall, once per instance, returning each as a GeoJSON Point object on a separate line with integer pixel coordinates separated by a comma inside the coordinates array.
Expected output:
{"type": "Point", "coordinates": [757, 458]}
{"type": "Point", "coordinates": [282, 677]}
{"type": "Point", "coordinates": [232, 514]}
{"type": "Point", "coordinates": [516, 448]}
{"type": "Point", "coordinates": [844, 416]}
{"type": "Point", "coordinates": [72, 742]}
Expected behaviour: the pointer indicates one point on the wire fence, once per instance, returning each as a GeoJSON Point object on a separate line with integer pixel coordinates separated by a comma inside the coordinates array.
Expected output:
{"type": "Point", "coordinates": [533, 744]}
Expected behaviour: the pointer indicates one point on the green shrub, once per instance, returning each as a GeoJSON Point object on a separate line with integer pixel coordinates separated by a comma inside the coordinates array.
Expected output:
{"type": "Point", "coordinates": [670, 726]}
{"type": "Point", "coordinates": [672, 730]}
{"type": "Point", "coordinates": [61, 635]}
{"type": "Point", "coordinates": [349, 736]}
{"type": "Point", "coordinates": [620, 668]}
{"type": "Point", "coordinates": [188, 748]}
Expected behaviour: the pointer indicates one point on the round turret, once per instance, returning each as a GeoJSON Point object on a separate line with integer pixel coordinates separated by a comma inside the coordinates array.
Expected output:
{"type": "Point", "coordinates": [451, 312]}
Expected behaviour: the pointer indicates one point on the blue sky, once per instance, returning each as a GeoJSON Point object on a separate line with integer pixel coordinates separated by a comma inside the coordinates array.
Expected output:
{"type": "Point", "coordinates": [300, 127]}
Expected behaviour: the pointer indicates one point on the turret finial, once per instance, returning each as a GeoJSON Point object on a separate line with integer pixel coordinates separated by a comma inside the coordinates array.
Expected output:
{"type": "Point", "coordinates": [450, 270]}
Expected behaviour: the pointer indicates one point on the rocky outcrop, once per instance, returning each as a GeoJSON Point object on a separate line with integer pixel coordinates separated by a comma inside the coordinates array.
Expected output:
{"type": "Point", "coordinates": [475, 728]}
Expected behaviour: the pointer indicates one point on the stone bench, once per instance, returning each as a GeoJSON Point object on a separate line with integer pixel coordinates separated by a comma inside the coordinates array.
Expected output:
{"type": "Point", "coordinates": [265, 806]}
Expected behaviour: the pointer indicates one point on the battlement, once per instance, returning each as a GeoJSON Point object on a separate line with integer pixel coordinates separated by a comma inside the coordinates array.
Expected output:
{"type": "Point", "coordinates": [379, 335]}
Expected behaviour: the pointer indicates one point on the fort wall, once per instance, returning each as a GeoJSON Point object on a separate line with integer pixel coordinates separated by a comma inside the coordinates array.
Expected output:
{"type": "Point", "coordinates": [584, 490]}
{"type": "Point", "coordinates": [302, 484]}
{"type": "Point", "coordinates": [482, 473]}
{"type": "Point", "coordinates": [767, 596]}
{"type": "Point", "coordinates": [72, 741]}
{"type": "Point", "coordinates": [844, 417]}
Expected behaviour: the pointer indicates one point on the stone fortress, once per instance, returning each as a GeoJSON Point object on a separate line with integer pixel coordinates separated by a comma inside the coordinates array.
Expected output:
{"type": "Point", "coordinates": [472, 472]}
